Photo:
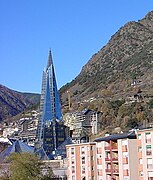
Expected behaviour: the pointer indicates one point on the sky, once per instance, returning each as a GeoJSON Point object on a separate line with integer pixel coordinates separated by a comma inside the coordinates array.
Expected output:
{"type": "Point", "coordinates": [73, 29]}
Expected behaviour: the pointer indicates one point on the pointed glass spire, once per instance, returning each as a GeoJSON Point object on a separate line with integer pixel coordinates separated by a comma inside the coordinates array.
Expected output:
{"type": "Point", "coordinates": [50, 61]}
{"type": "Point", "coordinates": [50, 122]}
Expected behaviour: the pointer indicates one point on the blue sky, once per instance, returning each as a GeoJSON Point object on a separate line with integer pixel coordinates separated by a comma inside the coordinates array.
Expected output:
{"type": "Point", "coordinates": [73, 29]}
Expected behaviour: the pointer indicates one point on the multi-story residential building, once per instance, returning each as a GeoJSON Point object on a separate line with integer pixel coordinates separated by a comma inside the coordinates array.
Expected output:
{"type": "Point", "coordinates": [114, 158]}
{"type": "Point", "coordinates": [86, 124]}
{"type": "Point", "coordinates": [81, 161]}
{"type": "Point", "coordinates": [117, 157]}
{"type": "Point", "coordinates": [145, 154]}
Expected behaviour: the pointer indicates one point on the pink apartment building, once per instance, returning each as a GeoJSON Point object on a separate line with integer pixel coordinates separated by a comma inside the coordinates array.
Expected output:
{"type": "Point", "coordinates": [81, 161]}
{"type": "Point", "coordinates": [109, 158]}
{"type": "Point", "coordinates": [145, 154]}
{"type": "Point", "coordinates": [117, 157]}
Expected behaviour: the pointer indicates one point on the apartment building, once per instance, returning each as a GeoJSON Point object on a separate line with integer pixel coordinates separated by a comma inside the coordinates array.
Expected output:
{"type": "Point", "coordinates": [81, 161]}
{"type": "Point", "coordinates": [117, 157]}
{"type": "Point", "coordinates": [145, 154]}
{"type": "Point", "coordinates": [109, 158]}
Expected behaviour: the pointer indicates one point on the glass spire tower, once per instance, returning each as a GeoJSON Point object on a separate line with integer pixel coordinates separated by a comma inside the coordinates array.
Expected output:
{"type": "Point", "coordinates": [51, 130]}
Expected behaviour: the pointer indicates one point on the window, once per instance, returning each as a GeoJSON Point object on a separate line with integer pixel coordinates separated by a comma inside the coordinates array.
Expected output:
{"type": "Point", "coordinates": [73, 169]}
{"type": "Point", "coordinates": [139, 136]}
{"type": "Point", "coordinates": [72, 161]}
{"type": "Point", "coordinates": [125, 166]}
{"type": "Point", "coordinates": [126, 178]}
{"type": "Point", "coordinates": [124, 142]}
{"type": "Point", "coordinates": [139, 149]}
{"type": "Point", "coordinates": [72, 150]}
{"type": "Point", "coordinates": [92, 168]}
{"type": "Point", "coordinates": [99, 144]}
{"type": "Point", "coordinates": [83, 160]}
{"type": "Point", "coordinates": [140, 161]}
{"type": "Point", "coordinates": [125, 154]}
{"type": "Point", "coordinates": [148, 150]}
{"type": "Point", "coordinates": [92, 158]}
{"type": "Point", "coordinates": [141, 173]}
{"type": "Point", "coordinates": [73, 177]}
{"type": "Point", "coordinates": [83, 169]}
{"type": "Point", "coordinates": [148, 137]}
{"type": "Point", "coordinates": [82, 150]}
{"type": "Point", "coordinates": [150, 174]}
{"type": "Point", "coordinates": [149, 163]}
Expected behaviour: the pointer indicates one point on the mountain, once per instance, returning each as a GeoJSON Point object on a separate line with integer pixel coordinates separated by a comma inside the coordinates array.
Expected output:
{"type": "Point", "coordinates": [126, 59]}
{"type": "Point", "coordinates": [13, 102]}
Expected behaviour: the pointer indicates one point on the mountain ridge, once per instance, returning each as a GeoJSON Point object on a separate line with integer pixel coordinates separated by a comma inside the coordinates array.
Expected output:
{"type": "Point", "coordinates": [116, 62]}
{"type": "Point", "coordinates": [126, 59]}
{"type": "Point", "coordinates": [13, 102]}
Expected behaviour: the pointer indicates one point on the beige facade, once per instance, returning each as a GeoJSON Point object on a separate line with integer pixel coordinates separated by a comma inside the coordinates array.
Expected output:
{"type": "Point", "coordinates": [116, 159]}
{"type": "Point", "coordinates": [145, 154]}
{"type": "Point", "coordinates": [109, 158]}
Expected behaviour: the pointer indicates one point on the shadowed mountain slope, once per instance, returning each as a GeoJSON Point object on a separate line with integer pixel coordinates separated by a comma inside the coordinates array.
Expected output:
{"type": "Point", "coordinates": [13, 102]}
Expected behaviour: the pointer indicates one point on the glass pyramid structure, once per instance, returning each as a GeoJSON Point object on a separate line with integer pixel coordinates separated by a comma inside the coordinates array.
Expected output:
{"type": "Point", "coordinates": [51, 130]}
{"type": "Point", "coordinates": [16, 147]}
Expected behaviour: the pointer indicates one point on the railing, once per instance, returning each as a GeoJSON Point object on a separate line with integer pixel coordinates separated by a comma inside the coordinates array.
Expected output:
{"type": "Point", "coordinates": [107, 148]}
{"type": "Point", "coordinates": [108, 171]}
{"type": "Point", "coordinates": [114, 148]}
{"type": "Point", "coordinates": [115, 159]}
{"type": "Point", "coordinates": [115, 171]}
{"type": "Point", "coordinates": [107, 159]}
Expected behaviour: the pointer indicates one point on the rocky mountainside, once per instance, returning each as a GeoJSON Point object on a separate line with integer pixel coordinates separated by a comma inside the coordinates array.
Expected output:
{"type": "Point", "coordinates": [13, 102]}
{"type": "Point", "coordinates": [126, 59]}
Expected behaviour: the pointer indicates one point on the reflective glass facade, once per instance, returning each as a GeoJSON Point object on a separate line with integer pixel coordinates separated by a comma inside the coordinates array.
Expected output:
{"type": "Point", "coordinates": [51, 129]}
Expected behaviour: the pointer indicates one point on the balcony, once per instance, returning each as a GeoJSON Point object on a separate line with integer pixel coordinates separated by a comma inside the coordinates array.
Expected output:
{"type": "Point", "coordinates": [114, 147]}
{"type": "Point", "coordinates": [107, 159]}
{"type": "Point", "coordinates": [107, 148]}
{"type": "Point", "coordinates": [115, 171]}
{"type": "Point", "coordinates": [108, 171]}
{"type": "Point", "coordinates": [115, 159]}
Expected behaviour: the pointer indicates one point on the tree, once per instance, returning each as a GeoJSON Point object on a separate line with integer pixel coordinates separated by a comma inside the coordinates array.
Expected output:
{"type": "Point", "coordinates": [25, 166]}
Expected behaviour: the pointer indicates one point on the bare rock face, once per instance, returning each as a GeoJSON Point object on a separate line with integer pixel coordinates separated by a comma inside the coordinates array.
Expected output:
{"type": "Point", "coordinates": [127, 56]}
